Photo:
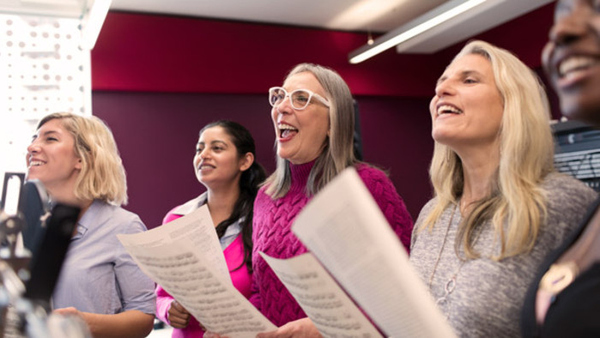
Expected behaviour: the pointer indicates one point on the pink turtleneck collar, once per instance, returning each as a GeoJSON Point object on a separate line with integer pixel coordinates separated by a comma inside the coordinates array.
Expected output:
{"type": "Point", "coordinates": [299, 174]}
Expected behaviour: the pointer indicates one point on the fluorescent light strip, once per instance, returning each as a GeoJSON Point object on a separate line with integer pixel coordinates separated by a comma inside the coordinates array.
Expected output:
{"type": "Point", "coordinates": [404, 36]}
{"type": "Point", "coordinates": [93, 24]}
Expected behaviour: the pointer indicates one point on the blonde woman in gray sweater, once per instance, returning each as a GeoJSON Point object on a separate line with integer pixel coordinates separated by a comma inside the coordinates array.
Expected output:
{"type": "Point", "coordinates": [499, 206]}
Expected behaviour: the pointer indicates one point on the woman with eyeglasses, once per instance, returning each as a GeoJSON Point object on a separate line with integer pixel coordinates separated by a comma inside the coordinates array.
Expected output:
{"type": "Point", "coordinates": [499, 206]}
{"type": "Point", "coordinates": [313, 118]}
{"type": "Point", "coordinates": [564, 298]}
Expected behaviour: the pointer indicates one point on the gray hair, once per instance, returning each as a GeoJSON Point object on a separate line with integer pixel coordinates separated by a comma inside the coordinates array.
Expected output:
{"type": "Point", "coordinates": [338, 151]}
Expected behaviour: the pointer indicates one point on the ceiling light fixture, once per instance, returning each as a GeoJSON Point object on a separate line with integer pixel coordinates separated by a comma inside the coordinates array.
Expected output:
{"type": "Point", "coordinates": [433, 18]}
{"type": "Point", "coordinates": [93, 20]}
{"type": "Point", "coordinates": [370, 40]}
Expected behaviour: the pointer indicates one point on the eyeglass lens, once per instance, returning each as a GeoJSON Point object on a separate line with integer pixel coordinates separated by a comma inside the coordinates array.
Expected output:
{"type": "Point", "coordinates": [298, 98]}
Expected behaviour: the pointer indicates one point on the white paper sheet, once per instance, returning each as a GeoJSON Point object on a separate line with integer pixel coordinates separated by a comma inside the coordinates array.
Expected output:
{"type": "Point", "coordinates": [324, 302]}
{"type": "Point", "coordinates": [174, 260]}
{"type": "Point", "coordinates": [346, 231]}
{"type": "Point", "coordinates": [197, 226]}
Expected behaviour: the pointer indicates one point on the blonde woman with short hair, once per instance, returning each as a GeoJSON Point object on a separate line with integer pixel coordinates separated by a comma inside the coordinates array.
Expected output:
{"type": "Point", "coordinates": [77, 161]}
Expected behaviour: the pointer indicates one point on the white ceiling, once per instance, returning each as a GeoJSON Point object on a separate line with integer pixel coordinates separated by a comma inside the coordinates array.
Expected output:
{"type": "Point", "coordinates": [378, 16]}
{"type": "Point", "coordinates": [349, 15]}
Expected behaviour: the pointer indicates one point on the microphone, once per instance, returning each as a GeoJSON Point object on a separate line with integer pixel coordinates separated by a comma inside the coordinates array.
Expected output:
{"type": "Point", "coordinates": [46, 264]}
{"type": "Point", "coordinates": [34, 205]}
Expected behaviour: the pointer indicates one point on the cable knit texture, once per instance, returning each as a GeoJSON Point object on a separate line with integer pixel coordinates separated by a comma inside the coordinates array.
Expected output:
{"type": "Point", "coordinates": [272, 234]}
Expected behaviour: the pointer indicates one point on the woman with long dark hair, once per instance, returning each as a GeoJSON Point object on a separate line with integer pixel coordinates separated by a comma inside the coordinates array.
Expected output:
{"type": "Point", "coordinates": [225, 164]}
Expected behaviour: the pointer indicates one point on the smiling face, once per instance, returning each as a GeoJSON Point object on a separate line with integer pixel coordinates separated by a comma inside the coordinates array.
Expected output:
{"type": "Point", "coordinates": [51, 159]}
{"type": "Point", "coordinates": [217, 162]}
{"type": "Point", "coordinates": [301, 134]}
{"type": "Point", "coordinates": [572, 59]}
{"type": "Point", "coordinates": [467, 107]}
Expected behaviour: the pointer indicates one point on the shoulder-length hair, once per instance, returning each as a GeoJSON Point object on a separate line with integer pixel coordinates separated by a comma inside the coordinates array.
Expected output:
{"type": "Point", "coordinates": [102, 174]}
{"type": "Point", "coordinates": [338, 152]}
{"type": "Point", "coordinates": [517, 203]}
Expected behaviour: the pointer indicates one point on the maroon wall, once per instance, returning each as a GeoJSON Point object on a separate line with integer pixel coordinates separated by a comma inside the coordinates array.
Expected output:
{"type": "Point", "coordinates": [396, 135]}
{"type": "Point", "coordinates": [140, 52]}
{"type": "Point", "coordinates": [157, 135]}
{"type": "Point", "coordinates": [158, 79]}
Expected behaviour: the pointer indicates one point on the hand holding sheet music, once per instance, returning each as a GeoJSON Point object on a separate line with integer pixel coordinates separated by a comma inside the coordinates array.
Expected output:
{"type": "Point", "coordinates": [171, 256]}
{"type": "Point", "coordinates": [323, 301]}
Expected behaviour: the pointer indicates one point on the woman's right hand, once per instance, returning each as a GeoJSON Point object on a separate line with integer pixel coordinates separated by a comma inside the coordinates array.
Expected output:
{"type": "Point", "coordinates": [178, 316]}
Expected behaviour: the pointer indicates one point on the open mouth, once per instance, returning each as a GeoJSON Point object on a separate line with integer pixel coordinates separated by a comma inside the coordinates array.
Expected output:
{"type": "Point", "coordinates": [203, 166]}
{"type": "Point", "coordinates": [575, 65]}
{"type": "Point", "coordinates": [286, 131]}
{"type": "Point", "coordinates": [448, 109]}
{"type": "Point", "coordinates": [35, 163]}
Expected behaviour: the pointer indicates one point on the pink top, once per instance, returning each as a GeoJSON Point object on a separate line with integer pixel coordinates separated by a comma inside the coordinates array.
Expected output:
{"type": "Point", "coordinates": [272, 234]}
{"type": "Point", "coordinates": [241, 278]}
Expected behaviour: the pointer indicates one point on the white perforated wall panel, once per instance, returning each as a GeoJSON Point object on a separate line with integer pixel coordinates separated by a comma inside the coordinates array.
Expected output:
{"type": "Point", "coordinates": [42, 70]}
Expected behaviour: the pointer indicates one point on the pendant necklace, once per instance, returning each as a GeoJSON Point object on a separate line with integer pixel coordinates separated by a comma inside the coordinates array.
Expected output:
{"type": "Point", "coordinates": [451, 283]}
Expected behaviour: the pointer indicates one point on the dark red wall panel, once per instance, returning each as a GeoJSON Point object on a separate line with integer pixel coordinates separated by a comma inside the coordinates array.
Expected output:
{"type": "Point", "coordinates": [157, 135]}
{"type": "Point", "coordinates": [158, 79]}
{"type": "Point", "coordinates": [137, 52]}
{"type": "Point", "coordinates": [156, 53]}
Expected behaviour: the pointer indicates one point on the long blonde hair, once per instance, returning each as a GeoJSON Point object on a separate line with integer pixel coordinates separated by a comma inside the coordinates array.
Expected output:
{"type": "Point", "coordinates": [338, 152]}
{"type": "Point", "coordinates": [102, 174]}
{"type": "Point", "coordinates": [517, 203]}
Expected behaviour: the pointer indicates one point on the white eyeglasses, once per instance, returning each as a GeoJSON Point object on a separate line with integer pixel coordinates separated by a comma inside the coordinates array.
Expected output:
{"type": "Point", "coordinates": [299, 98]}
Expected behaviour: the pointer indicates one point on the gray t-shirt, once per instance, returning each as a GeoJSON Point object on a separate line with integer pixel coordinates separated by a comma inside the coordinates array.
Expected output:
{"type": "Point", "coordinates": [486, 296]}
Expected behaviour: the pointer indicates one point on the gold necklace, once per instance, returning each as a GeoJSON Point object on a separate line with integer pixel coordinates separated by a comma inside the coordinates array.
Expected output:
{"type": "Point", "coordinates": [558, 277]}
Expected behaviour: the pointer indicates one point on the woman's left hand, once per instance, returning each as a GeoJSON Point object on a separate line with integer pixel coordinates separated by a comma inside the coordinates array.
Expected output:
{"type": "Point", "coordinates": [301, 328]}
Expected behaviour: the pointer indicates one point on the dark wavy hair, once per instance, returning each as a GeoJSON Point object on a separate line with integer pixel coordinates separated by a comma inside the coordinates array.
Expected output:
{"type": "Point", "coordinates": [249, 184]}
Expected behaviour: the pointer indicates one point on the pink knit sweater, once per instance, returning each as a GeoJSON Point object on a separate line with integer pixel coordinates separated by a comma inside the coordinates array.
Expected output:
{"type": "Point", "coordinates": [272, 235]}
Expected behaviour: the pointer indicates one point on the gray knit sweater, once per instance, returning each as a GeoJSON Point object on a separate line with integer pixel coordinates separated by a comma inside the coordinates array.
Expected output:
{"type": "Point", "coordinates": [488, 295]}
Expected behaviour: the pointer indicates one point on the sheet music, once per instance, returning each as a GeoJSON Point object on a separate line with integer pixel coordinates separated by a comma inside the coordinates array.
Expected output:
{"type": "Point", "coordinates": [198, 227]}
{"type": "Point", "coordinates": [178, 264]}
{"type": "Point", "coordinates": [346, 231]}
{"type": "Point", "coordinates": [325, 303]}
